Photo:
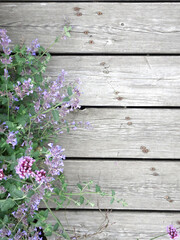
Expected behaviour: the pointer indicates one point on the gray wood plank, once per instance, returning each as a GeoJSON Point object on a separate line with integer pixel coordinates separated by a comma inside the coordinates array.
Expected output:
{"type": "Point", "coordinates": [125, 133]}
{"type": "Point", "coordinates": [143, 185]}
{"type": "Point", "coordinates": [122, 80]}
{"type": "Point", "coordinates": [87, 1]}
{"type": "Point", "coordinates": [122, 225]}
{"type": "Point", "coordinates": [97, 27]}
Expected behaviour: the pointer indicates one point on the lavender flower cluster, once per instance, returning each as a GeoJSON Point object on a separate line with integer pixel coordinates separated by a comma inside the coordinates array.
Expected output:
{"type": "Point", "coordinates": [28, 123]}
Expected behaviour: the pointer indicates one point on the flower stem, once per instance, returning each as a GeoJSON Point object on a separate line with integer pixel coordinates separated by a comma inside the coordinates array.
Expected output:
{"type": "Point", "coordinates": [60, 224]}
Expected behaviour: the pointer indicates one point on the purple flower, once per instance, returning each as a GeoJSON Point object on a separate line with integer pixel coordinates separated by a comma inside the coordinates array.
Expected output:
{"type": "Point", "coordinates": [11, 139]}
{"type": "Point", "coordinates": [1, 174]}
{"type": "Point", "coordinates": [21, 214]}
{"type": "Point", "coordinates": [35, 200]}
{"type": "Point", "coordinates": [24, 167]}
{"type": "Point", "coordinates": [172, 232]}
{"type": "Point", "coordinates": [6, 60]}
{"type": "Point", "coordinates": [2, 189]}
{"type": "Point", "coordinates": [5, 41]}
{"type": "Point", "coordinates": [34, 47]}
{"type": "Point", "coordinates": [6, 74]}
{"type": "Point", "coordinates": [24, 89]}
{"type": "Point", "coordinates": [54, 159]}
{"type": "Point", "coordinates": [20, 235]}
{"type": "Point", "coordinates": [4, 232]}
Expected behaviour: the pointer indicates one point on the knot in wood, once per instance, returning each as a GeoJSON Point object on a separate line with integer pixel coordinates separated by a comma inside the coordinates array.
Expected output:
{"type": "Point", "coordinates": [99, 13]}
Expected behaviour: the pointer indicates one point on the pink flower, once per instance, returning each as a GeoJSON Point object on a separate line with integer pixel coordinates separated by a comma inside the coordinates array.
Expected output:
{"type": "Point", "coordinates": [1, 174]}
{"type": "Point", "coordinates": [40, 176]}
{"type": "Point", "coordinates": [24, 167]}
{"type": "Point", "coordinates": [172, 232]}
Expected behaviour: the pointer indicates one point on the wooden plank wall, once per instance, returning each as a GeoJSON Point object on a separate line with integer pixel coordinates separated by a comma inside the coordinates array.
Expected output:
{"type": "Point", "coordinates": [127, 55]}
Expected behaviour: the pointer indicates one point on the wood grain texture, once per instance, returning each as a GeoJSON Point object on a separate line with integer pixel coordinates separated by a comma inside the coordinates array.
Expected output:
{"type": "Point", "coordinates": [143, 185]}
{"type": "Point", "coordinates": [125, 133]}
{"type": "Point", "coordinates": [97, 27]}
{"type": "Point", "coordinates": [123, 225]}
{"type": "Point", "coordinates": [87, 1]}
{"type": "Point", "coordinates": [122, 80]}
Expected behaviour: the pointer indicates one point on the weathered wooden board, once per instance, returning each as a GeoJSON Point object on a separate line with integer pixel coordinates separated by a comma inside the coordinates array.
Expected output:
{"type": "Point", "coordinates": [143, 185]}
{"type": "Point", "coordinates": [125, 133]}
{"type": "Point", "coordinates": [97, 27]}
{"type": "Point", "coordinates": [87, 1]}
{"type": "Point", "coordinates": [123, 80]}
{"type": "Point", "coordinates": [122, 226]}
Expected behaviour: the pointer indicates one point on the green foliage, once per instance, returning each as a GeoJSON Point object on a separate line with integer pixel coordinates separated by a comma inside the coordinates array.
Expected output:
{"type": "Point", "coordinates": [33, 113]}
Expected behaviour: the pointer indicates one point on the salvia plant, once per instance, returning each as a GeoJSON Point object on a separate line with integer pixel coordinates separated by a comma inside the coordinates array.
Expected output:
{"type": "Point", "coordinates": [33, 111]}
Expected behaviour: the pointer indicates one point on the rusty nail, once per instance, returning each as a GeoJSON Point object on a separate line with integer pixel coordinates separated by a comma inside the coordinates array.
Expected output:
{"type": "Point", "coordinates": [76, 9]}
{"type": "Point", "coordinates": [78, 14]}
{"type": "Point", "coordinates": [91, 42]}
{"type": "Point", "coordinates": [128, 118]}
{"type": "Point", "coordinates": [129, 123]}
{"type": "Point", "coordinates": [119, 98]}
{"type": "Point", "coordinates": [99, 13]}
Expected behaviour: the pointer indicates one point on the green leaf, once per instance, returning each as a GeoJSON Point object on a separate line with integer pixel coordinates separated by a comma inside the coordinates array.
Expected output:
{"type": "Point", "coordinates": [30, 193]}
{"type": "Point", "coordinates": [44, 213]}
{"type": "Point", "coordinates": [55, 114]}
{"type": "Point", "coordinates": [113, 192]}
{"type": "Point", "coordinates": [55, 228]}
{"type": "Point", "coordinates": [48, 233]}
{"type": "Point", "coordinates": [56, 40]}
{"type": "Point", "coordinates": [65, 29]}
{"type": "Point", "coordinates": [57, 191]}
{"type": "Point", "coordinates": [6, 204]}
{"type": "Point", "coordinates": [92, 204]}
{"type": "Point", "coordinates": [112, 200]}
{"type": "Point", "coordinates": [5, 220]}
{"type": "Point", "coordinates": [79, 186]}
{"type": "Point", "coordinates": [69, 90]}
{"type": "Point", "coordinates": [98, 189]}
{"type": "Point", "coordinates": [66, 99]}
{"type": "Point", "coordinates": [81, 199]}
{"type": "Point", "coordinates": [68, 34]}
{"type": "Point", "coordinates": [15, 193]}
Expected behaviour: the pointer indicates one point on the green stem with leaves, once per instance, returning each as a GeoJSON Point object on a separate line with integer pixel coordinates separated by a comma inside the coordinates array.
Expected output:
{"type": "Point", "coordinates": [54, 216]}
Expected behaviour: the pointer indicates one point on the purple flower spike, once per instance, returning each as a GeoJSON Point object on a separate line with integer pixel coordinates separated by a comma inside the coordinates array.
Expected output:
{"type": "Point", "coordinates": [34, 47]}
{"type": "Point", "coordinates": [11, 139]}
{"type": "Point", "coordinates": [6, 74]}
{"type": "Point", "coordinates": [172, 232]}
{"type": "Point", "coordinates": [54, 159]}
{"type": "Point", "coordinates": [5, 41]}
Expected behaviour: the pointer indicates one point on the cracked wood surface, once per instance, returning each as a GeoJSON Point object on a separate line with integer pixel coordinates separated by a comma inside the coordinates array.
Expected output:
{"type": "Point", "coordinates": [97, 27]}
{"type": "Point", "coordinates": [125, 133]}
{"type": "Point", "coordinates": [143, 185]}
{"type": "Point", "coordinates": [122, 80]}
{"type": "Point", "coordinates": [122, 225]}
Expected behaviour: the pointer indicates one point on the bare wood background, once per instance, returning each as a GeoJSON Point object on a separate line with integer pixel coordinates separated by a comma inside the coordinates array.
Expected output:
{"type": "Point", "coordinates": [127, 56]}
{"type": "Point", "coordinates": [98, 27]}
{"type": "Point", "coordinates": [124, 225]}
{"type": "Point", "coordinates": [123, 80]}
